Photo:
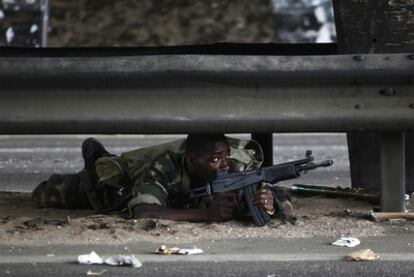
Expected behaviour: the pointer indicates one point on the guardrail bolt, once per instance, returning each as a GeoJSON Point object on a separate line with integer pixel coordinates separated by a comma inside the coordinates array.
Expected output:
{"type": "Point", "coordinates": [388, 92]}
{"type": "Point", "coordinates": [359, 106]}
{"type": "Point", "coordinates": [411, 56]}
{"type": "Point", "coordinates": [358, 58]}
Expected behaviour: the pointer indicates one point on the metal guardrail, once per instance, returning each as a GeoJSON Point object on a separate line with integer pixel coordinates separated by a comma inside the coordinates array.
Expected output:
{"type": "Point", "coordinates": [201, 93]}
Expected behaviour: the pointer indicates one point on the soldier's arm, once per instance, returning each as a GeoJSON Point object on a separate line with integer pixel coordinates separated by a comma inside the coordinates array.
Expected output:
{"type": "Point", "coordinates": [221, 209]}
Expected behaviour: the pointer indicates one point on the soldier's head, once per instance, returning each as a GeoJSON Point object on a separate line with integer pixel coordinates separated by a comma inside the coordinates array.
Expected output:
{"type": "Point", "coordinates": [205, 155]}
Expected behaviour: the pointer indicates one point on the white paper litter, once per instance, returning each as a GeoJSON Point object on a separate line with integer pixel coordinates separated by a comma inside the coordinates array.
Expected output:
{"type": "Point", "coordinates": [34, 28]}
{"type": "Point", "coordinates": [164, 250]}
{"type": "Point", "coordinates": [9, 35]}
{"type": "Point", "coordinates": [91, 258]}
{"type": "Point", "coordinates": [190, 251]}
{"type": "Point", "coordinates": [347, 242]}
{"type": "Point", "coordinates": [123, 260]}
{"type": "Point", "coordinates": [117, 260]}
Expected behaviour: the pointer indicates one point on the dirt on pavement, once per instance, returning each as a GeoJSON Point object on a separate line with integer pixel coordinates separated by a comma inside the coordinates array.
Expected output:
{"type": "Point", "coordinates": [23, 224]}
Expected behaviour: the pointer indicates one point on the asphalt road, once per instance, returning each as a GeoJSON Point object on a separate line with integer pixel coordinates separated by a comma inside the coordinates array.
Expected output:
{"type": "Point", "coordinates": [25, 161]}
{"type": "Point", "coordinates": [252, 257]}
{"type": "Point", "coordinates": [236, 269]}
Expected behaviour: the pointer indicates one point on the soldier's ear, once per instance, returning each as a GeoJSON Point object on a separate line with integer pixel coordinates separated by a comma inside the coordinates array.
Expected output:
{"type": "Point", "coordinates": [189, 159]}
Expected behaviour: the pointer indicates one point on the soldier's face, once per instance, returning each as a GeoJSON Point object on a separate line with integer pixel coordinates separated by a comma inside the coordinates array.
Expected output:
{"type": "Point", "coordinates": [206, 166]}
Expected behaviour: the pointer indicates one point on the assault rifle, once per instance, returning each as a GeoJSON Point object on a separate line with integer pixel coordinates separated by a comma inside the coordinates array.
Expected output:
{"type": "Point", "coordinates": [248, 181]}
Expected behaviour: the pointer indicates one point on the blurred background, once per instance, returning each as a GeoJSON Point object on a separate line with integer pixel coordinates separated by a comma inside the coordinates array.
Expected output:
{"type": "Point", "coordinates": [106, 23]}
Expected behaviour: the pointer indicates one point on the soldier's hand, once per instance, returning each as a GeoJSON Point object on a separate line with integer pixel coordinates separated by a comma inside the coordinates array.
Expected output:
{"type": "Point", "coordinates": [222, 207]}
{"type": "Point", "coordinates": [263, 198]}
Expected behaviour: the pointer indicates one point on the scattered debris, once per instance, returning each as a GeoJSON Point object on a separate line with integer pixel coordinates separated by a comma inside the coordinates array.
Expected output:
{"type": "Point", "coordinates": [350, 213]}
{"type": "Point", "coordinates": [117, 260]}
{"type": "Point", "coordinates": [34, 28]}
{"type": "Point", "coordinates": [190, 251]}
{"type": "Point", "coordinates": [39, 222]}
{"type": "Point", "coordinates": [377, 217]}
{"type": "Point", "coordinates": [164, 250]}
{"type": "Point", "coordinates": [362, 255]}
{"type": "Point", "coordinates": [315, 223]}
{"type": "Point", "coordinates": [150, 224]}
{"type": "Point", "coordinates": [9, 35]}
{"type": "Point", "coordinates": [95, 273]}
{"type": "Point", "coordinates": [121, 260]}
{"type": "Point", "coordinates": [167, 251]}
{"type": "Point", "coordinates": [91, 258]}
{"type": "Point", "coordinates": [347, 242]}
{"type": "Point", "coordinates": [159, 225]}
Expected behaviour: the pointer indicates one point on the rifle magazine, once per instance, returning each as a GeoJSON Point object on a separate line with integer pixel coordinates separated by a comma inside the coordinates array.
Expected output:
{"type": "Point", "coordinates": [260, 217]}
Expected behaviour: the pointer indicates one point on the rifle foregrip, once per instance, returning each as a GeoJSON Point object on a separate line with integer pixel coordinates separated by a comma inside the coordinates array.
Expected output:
{"type": "Point", "coordinates": [260, 217]}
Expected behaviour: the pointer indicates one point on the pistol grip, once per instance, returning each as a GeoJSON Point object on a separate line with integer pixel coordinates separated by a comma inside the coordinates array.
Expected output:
{"type": "Point", "coordinates": [260, 217]}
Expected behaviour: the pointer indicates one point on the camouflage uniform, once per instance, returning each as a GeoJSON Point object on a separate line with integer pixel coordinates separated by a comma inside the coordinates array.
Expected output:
{"type": "Point", "coordinates": [153, 175]}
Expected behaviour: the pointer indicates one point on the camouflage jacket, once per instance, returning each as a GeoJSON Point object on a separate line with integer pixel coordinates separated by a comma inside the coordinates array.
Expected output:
{"type": "Point", "coordinates": [155, 175]}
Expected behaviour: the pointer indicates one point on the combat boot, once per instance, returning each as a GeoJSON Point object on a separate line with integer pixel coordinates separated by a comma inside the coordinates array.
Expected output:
{"type": "Point", "coordinates": [92, 150]}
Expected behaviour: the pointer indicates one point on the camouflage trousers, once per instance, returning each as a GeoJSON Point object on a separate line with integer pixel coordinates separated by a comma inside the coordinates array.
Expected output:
{"type": "Point", "coordinates": [61, 191]}
{"type": "Point", "coordinates": [79, 191]}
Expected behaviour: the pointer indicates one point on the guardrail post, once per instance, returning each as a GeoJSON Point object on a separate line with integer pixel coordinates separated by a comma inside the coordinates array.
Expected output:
{"type": "Point", "coordinates": [360, 27]}
{"type": "Point", "coordinates": [392, 149]}
{"type": "Point", "coordinates": [266, 141]}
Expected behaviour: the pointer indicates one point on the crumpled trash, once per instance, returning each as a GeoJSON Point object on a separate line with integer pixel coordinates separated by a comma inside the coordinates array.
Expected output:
{"type": "Point", "coordinates": [117, 260]}
{"type": "Point", "coordinates": [123, 260]}
{"type": "Point", "coordinates": [91, 258]}
{"type": "Point", "coordinates": [176, 250]}
{"type": "Point", "coordinates": [190, 251]}
{"type": "Point", "coordinates": [362, 255]}
{"type": "Point", "coordinates": [347, 241]}
{"type": "Point", "coordinates": [167, 250]}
